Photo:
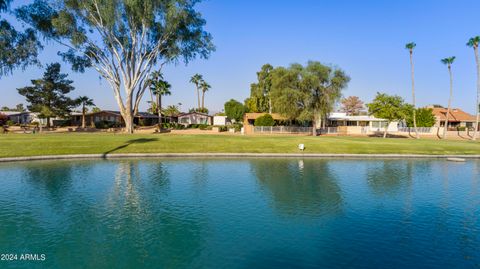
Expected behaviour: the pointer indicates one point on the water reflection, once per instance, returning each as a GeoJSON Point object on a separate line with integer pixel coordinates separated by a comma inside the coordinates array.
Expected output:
{"type": "Point", "coordinates": [299, 186]}
{"type": "Point", "coordinates": [390, 176]}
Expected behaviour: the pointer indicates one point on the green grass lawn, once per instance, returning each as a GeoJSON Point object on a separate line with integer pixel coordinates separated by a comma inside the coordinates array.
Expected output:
{"type": "Point", "coordinates": [15, 145]}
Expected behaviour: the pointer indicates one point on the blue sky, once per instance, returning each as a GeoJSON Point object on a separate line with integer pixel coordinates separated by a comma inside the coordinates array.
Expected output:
{"type": "Point", "coordinates": [365, 38]}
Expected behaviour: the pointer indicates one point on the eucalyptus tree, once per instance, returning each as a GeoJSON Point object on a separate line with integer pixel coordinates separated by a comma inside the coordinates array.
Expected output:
{"type": "Point", "coordinates": [17, 49]}
{"type": "Point", "coordinates": [122, 39]}
{"type": "Point", "coordinates": [473, 42]}
{"type": "Point", "coordinates": [204, 86]}
{"type": "Point", "coordinates": [84, 102]}
{"type": "Point", "coordinates": [197, 80]}
{"type": "Point", "coordinates": [159, 87]}
{"type": "Point", "coordinates": [448, 61]}
{"type": "Point", "coordinates": [410, 46]}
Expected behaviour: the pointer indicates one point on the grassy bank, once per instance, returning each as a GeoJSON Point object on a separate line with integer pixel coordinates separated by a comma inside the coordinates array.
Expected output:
{"type": "Point", "coordinates": [15, 145]}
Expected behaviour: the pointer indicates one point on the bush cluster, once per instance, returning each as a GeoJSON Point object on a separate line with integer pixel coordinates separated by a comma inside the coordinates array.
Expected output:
{"type": "Point", "coordinates": [106, 124]}
{"type": "Point", "coordinates": [265, 120]}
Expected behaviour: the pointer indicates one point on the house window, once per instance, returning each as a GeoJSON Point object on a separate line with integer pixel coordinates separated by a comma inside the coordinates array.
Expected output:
{"type": "Point", "coordinates": [469, 124]}
{"type": "Point", "coordinates": [379, 124]}
{"type": "Point", "coordinates": [184, 120]}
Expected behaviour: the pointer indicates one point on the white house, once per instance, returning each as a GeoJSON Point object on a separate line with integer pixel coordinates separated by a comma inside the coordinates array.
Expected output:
{"type": "Point", "coordinates": [365, 123]}
{"type": "Point", "coordinates": [220, 120]}
{"type": "Point", "coordinates": [194, 118]}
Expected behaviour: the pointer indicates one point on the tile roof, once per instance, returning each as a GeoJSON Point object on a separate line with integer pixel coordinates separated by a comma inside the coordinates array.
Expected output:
{"type": "Point", "coordinates": [456, 115]}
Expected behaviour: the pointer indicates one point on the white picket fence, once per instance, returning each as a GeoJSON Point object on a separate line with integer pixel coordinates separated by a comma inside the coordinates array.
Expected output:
{"type": "Point", "coordinates": [281, 130]}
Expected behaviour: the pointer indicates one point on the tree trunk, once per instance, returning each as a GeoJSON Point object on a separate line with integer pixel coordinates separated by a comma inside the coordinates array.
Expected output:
{"type": "Point", "coordinates": [203, 100]}
{"type": "Point", "coordinates": [477, 104]}
{"type": "Point", "coordinates": [269, 105]}
{"type": "Point", "coordinates": [83, 116]}
{"type": "Point", "coordinates": [449, 102]}
{"type": "Point", "coordinates": [159, 111]}
{"type": "Point", "coordinates": [198, 97]}
{"type": "Point", "coordinates": [413, 95]}
{"type": "Point", "coordinates": [48, 122]}
{"type": "Point", "coordinates": [386, 130]}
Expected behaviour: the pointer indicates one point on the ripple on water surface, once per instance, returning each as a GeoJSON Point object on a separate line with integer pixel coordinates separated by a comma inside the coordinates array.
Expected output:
{"type": "Point", "coordinates": [242, 213]}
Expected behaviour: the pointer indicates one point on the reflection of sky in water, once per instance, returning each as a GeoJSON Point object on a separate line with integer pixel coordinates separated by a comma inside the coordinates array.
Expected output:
{"type": "Point", "coordinates": [239, 213]}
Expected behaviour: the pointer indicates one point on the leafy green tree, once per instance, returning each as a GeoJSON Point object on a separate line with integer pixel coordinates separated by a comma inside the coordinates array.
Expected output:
{"type": "Point", "coordinates": [260, 99]}
{"type": "Point", "coordinates": [410, 46]}
{"type": "Point", "coordinates": [48, 95]}
{"type": "Point", "coordinates": [84, 102]}
{"type": "Point", "coordinates": [424, 117]}
{"type": "Point", "coordinates": [204, 86]}
{"type": "Point", "coordinates": [96, 109]}
{"type": "Point", "coordinates": [234, 110]}
{"type": "Point", "coordinates": [448, 61]}
{"type": "Point", "coordinates": [17, 49]}
{"type": "Point", "coordinates": [265, 120]}
{"type": "Point", "coordinates": [159, 87]}
{"type": "Point", "coordinates": [122, 40]}
{"type": "Point", "coordinates": [197, 80]}
{"type": "Point", "coordinates": [388, 107]}
{"type": "Point", "coordinates": [473, 43]}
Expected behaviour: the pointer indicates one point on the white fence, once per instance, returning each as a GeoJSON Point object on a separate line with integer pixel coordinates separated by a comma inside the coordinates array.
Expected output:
{"type": "Point", "coordinates": [422, 130]}
{"type": "Point", "coordinates": [327, 130]}
{"type": "Point", "coordinates": [281, 130]}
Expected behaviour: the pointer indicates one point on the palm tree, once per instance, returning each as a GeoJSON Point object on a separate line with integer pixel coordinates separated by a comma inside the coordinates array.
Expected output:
{"type": "Point", "coordinates": [205, 87]}
{"type": "Point", "coordinates": [448, 61]}
{"type": "Point", "coordinates": [410, 46]}
{"type": "Point", "coordinates": [85, 102]}
{"type": "Point", "coordinates": [171, 111]}
{"type": "Point", "coordinates": [159, 87]}
{"type": "Point", "coordinates": [197, 80]}
{"type": "Point", "coordinates": [473, 42]}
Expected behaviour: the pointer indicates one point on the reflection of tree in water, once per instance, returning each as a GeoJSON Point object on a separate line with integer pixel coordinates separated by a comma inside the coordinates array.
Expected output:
{"type": "Point", "coordinates": [299, 186]}
{"type": "Point", "coordinates": [389, 176]}
{"type": "Point", "coordinates": [52, 178]}
{"type": "Point", "coordinates": [159, 231]}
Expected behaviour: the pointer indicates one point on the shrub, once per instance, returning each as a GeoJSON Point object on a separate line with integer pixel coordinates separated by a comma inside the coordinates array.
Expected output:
{"type": "Point", "coordinates": [202, 126]}
{"type": "Point", "coordinates": [265, 120]}
{"type": "Point", "coordinates": [105, 124]}
{"type": "Point", "coordinates": [223, 128]}
{"type": "Point", "coordinates": [10, 123]}
{"type": "Point", "coordinates": [3, 119]}
{"type": "Point", "coordinates": [237, 126]}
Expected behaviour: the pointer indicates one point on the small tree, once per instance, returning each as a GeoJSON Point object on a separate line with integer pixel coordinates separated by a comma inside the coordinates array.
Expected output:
{"type": "Point", "coordinates": [84, 102]}
{"type": "Point", "coordinates": [424, 117]}
{"type": "Point", "coordinates": [265, 120]}
{"type": "Point", "coordinates": [234, 110]}
{"type": "Point", "coordinates": [352, 105]}
{"type": "Point", "coordinates": [48, 95]}
{"type": "Point", "coordinates": [197, 80]}
{"type": "Point", "coordinates": [388, 107]}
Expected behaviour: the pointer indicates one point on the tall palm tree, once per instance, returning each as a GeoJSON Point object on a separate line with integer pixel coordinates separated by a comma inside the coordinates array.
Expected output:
{"type": "Point", "coordinates": [197, 80]}
{"type": "Point", "coordinates": [448, 61]}
{"type": "Point", "coordinates": [85, 102]}
{"type": "Point", "coordinates": [473, 42]}
{"type": "Point", "coordinates": [205, 87]}
{"type": "Point", "coordinates": [159, 87]}
{"type": "Point", "coordinates": [410, 46]}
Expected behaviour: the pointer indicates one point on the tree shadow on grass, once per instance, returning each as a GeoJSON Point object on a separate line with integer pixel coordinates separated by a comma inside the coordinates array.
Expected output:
{"type": "Point", "coordinates": [130, 142]}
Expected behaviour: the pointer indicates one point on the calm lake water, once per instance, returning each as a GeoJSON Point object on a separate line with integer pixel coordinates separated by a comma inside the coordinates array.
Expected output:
{"type": "Point", "coordinates": [241, 213]}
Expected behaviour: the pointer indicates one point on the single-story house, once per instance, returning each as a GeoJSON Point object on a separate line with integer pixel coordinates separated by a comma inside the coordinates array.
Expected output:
{"type": "Point", "coordinates": [194, 118]}
{"type": "Point", "coordinates": [456, 118]}
{"type": "Point", "coordinates": [27, 117]}
{"type": "Point", "coordinates": [142, 118]}
{"type": "Point", "coordinates": [221, 120]}
{"type": "Point", "coordinates": [364, 123]}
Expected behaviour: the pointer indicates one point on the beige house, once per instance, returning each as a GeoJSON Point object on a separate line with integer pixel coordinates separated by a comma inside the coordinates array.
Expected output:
{"type": "Point", "coordinates": [194, 118]}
